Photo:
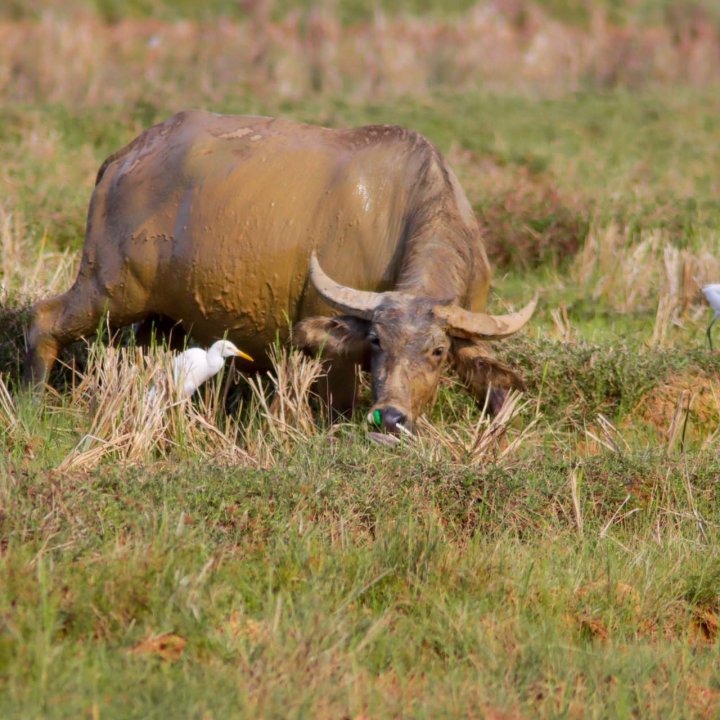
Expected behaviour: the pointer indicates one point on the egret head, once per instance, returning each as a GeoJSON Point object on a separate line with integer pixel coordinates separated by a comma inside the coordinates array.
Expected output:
{"type": "Point", "coordinates": [226, 349]}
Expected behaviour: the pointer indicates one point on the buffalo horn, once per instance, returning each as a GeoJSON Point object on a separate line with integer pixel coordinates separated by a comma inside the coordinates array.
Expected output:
{"type": "Point", "coordinates": [359, 303]}
{"type": "Point", "coordinates": [466, 324]}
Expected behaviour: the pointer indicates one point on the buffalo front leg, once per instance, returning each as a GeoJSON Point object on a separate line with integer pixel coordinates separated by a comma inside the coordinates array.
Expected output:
{"type": "Point", "coordinates": [45, 337]}
{"type": "Point", "coordinates": [338, 389]}
{"type": "Point", "coordinates": [60, 320]}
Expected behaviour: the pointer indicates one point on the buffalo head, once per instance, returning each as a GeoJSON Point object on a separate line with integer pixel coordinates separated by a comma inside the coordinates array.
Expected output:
{"type": "Point", "coordinates": [405, 341]}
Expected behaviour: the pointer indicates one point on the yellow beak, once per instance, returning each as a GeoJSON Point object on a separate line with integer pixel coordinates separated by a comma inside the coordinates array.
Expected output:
{"type": "Point", "coordinates": [243, 355]}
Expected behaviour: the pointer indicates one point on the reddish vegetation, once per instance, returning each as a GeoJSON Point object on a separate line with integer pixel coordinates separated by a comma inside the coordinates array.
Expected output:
{"type": "Point", "coordinates": [499, 44]}
{"type": "Point", "coordinates": [665, 406]}
{"type": "Point", "coordinates": [525, 219]}
{"type": "Point", "coordinates": [531, 224]}
{"type": "Point", "coordinates": [166, 647]}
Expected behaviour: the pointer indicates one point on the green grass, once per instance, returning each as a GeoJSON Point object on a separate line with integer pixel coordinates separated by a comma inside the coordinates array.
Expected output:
{"type": "Point", "coordinates": [352, 580]}
{"type": "Point", "coordinates": [347, 582]}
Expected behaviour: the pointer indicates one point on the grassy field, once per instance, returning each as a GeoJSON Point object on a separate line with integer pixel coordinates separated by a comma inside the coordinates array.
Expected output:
{"type": "Point", "coordinates": [560, 561]}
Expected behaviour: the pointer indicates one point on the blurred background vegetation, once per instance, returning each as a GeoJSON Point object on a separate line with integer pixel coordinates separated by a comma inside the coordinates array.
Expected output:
{"type": "Point", "coordinates": [577, 12]}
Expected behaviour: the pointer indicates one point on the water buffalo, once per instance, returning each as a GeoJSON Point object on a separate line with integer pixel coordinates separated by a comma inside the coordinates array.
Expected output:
{"type": "Point", "coordinates": [228, 225]}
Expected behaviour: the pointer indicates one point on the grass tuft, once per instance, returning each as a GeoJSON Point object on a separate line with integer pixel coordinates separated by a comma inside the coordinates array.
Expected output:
{"type": "Point", "coordinates": [134, 415]}
{"type": "Point", "coordinates": [282, 404]}
{"type": "Point", "coordinates": [469, 442]}
{"type": "Point", "coordinates": [633, 271]}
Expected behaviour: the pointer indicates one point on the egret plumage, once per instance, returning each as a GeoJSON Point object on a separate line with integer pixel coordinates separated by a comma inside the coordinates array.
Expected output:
{"type": "Point", "coordinates": [195, 366]}
{"type": "Point", "coordinates": [712, 294]}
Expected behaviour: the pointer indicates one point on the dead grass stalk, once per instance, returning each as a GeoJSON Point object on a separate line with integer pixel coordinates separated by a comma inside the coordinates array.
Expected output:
{"type": "Point", "coordinates": [575, 481]}
{"type": "Point", "coordinates": [606, 434]}
{"type": "Point", "coordinates": [8, 413]}
{"type": "Point", "coordinates": [487, 439]}
{"type": "Point", "coordinates": [284, 404]}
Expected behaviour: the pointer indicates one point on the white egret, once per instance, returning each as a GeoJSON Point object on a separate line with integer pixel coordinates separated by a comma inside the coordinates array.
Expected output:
{"type": "Point", "coordinates": [712, 294]}
{"type": "Point", "coordinates": [194, 366]}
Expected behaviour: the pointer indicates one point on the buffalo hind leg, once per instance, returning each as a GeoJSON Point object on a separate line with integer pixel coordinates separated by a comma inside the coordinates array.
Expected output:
{"type": "Point", "coordinates": [60, 320]}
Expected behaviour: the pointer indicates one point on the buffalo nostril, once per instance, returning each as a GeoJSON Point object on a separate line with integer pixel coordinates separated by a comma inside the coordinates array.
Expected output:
{"type": "Point", "coordinates": [393, 419]}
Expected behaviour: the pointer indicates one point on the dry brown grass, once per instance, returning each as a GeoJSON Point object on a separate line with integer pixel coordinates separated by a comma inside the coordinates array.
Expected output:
{"type": "Point", "coordinates": [645, 273]}
{"type": "Point", "coordinates": [283, 404]}
{"type": "Point", "coordinates": [130, 402]}
{"type": "Point", "coordinates": [26, 270]}
{"type": "Point", "coordinates": [564, 330]}
{"type": "Point", "coordinates": [127, 402]}
{"type": "Point", "coordinates": [498, 45]}
{"type": "Point", "coordinates": [8, 413]}
{"type": "Point", "coordinates": [683, 407]}
{"type": "Point", "coordinates": [476, 441]}
{"type": "Point", "coordinates": [127, 405]}
{"type": "Point", "coordinates": [603, 433]}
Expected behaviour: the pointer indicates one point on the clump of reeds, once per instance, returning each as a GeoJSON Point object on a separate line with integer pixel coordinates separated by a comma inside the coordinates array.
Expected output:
{"type": "Point", "coordinates": [283, 403]}
{"type": "Point", "coordinates": [639, 273]}
{"type": "Point", "coordinates": [489, 439]}
{"type": "Point", "coordinates": [135, 415]}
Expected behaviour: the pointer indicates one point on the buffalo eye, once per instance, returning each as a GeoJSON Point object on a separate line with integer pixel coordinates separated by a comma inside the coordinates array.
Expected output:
{"type": "Point", "coordinates": [375, 342]}
{"type": "Point", "coordinates": [438, 352]}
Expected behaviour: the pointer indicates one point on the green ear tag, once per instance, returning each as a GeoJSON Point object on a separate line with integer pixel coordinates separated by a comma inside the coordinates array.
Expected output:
{"type": "Point", "coordinates": [377, 417]}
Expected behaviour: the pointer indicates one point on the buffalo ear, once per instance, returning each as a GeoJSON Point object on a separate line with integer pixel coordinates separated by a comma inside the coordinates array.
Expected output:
{"type": "Point", "coordinates": [480, 372]}
{"type": "Point", "coordinates": [343, 336]}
